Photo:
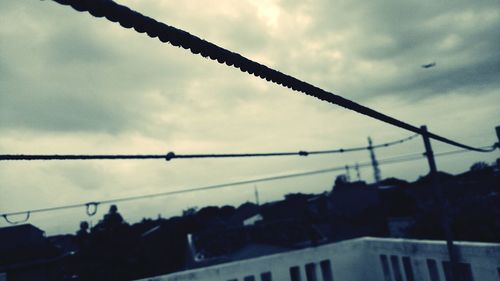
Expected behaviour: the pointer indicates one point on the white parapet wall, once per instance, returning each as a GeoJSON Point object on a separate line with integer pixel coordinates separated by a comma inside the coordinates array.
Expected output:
{"type": "Point", "coordinates": [377, 259]}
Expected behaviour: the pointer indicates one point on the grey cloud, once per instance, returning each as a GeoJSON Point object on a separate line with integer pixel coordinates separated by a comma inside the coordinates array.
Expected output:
{"type": "Point", "coordinates": [63, 113]}
{"type": "Point", "coordinates": [75, 80]}
{"type": "Point", "coordinates": [469, 77]}
{"type": "Point", "coordinates": [5, 72]}
{"type": "Point", "coordinates": [396, 37]}
{"type": "Point", "coordinates": [252, 37]}
{"type": "Point", "coordinates": [78, 176]}
{"type": "Point", "coordinates": [73, 44]}
{"type": "Point", "coordinates": [407, 36]}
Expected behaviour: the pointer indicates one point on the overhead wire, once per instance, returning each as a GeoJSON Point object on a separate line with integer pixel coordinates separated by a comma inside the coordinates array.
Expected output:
{"type": "Point", "coordinates": [171, 155]}
{"type": "Point", "coordinates": [91, 207]}
{"type": "Point", "coordinates": [128, 18]}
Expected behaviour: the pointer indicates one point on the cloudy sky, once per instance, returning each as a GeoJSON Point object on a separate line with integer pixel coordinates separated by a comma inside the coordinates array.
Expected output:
{"type": "Point", "coordinates": [71, 83]}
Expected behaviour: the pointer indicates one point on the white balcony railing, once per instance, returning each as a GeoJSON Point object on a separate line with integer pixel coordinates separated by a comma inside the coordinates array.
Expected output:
{"type": "Point", "coordinates": [378, 259]}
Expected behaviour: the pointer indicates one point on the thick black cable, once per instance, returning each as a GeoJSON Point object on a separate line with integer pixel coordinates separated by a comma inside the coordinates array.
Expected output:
{"type": "Point", "coordinates": [128, 18]}
{"type": "Point", "coordinates": [169, 156]}
{"type": "Point", "coordinates": [95, 204]}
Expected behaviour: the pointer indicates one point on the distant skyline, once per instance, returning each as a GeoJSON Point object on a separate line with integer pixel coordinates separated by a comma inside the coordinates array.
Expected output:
{"type": "Point", "coordinates": [71, 83]}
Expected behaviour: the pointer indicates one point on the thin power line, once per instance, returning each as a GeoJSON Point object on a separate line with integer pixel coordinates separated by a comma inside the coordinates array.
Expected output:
{"type": "Point", "coordinates": [91, 207]}
{"type": "Point", "coordinates": [171, 155]}
{"type": "Point", "coordinates": [128, 18]}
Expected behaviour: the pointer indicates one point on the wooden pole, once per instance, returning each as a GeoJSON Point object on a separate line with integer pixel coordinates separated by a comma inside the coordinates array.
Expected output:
{"type": "Point", "coordinates": [444, 205]}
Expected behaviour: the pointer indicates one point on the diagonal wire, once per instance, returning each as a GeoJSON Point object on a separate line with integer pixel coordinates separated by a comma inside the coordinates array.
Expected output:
{"type": "Point", "coordinates": [128, 18]}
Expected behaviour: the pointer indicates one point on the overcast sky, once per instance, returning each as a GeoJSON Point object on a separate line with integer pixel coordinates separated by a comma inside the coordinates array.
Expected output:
{"type": "Point", "coordinates": [71, 83]}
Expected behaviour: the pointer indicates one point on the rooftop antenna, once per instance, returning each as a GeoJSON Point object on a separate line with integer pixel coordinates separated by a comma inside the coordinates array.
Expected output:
{"type": "Point", "coordinates": [256, 194]}
{"type": "Point", "coordinates": [358, 174]}
{"type": "Point", "coordinates": [347, 173]}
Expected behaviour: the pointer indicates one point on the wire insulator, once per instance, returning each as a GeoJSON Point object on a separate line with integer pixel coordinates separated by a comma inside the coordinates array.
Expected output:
{"type": "Point", "coordinates": [91, 208]}
{"type": "Point", "coordinates": [170, 156]}
{"type": "Point", "coordinates": [303, 153]}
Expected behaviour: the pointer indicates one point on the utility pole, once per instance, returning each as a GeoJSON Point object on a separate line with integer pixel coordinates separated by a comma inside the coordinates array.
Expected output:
{"type": "Point", "coordinates": [497, 145]}
{"type": "Point", "coordinates": [498, 135]}
{"type": "Point", "coordinates": [443, 202]}
{"type": "Point", "coordinates": [376, 170]}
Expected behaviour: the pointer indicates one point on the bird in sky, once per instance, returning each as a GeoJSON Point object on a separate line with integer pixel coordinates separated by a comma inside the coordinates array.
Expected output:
{"type": "Point", "coordinates": [429, 65]}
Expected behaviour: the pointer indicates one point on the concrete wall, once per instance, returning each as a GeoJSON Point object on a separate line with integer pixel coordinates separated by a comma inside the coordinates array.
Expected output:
{"type": "Point", "coordinates": [355, 260]}
{"type": "Point", "coordinates": [483, 259]}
